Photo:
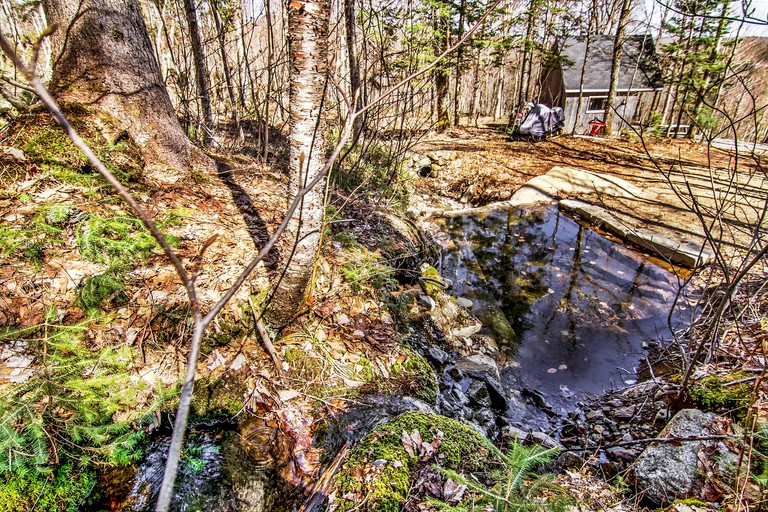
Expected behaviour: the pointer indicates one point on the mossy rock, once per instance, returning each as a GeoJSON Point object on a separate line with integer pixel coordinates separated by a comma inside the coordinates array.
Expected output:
{"type": "Point", "coordinates": [381, 469]}
{"type": "Point", "coordinates": [716, 393]}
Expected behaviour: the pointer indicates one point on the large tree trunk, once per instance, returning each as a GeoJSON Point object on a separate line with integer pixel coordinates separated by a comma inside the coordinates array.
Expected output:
{"type": "Point", "coordinates": [618, 48]}
{"type": "Point", "coordinates": [103, 59]}
{"type": "Point", "coordinates": [308, 48]}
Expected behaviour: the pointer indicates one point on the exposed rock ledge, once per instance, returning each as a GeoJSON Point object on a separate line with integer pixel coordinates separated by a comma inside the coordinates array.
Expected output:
{"type": "Point", "coordinates": [686, 253]}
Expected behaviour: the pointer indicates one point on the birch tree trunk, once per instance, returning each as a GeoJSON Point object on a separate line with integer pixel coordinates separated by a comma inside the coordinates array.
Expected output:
{"type": "Point", "coordinates": [308, 49]}
{"type": "Point", "coordinates": [103, 59]}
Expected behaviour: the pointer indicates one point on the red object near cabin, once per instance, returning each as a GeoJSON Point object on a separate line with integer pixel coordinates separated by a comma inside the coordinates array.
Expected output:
{"type": "Point", "coordinates": [595, 127]}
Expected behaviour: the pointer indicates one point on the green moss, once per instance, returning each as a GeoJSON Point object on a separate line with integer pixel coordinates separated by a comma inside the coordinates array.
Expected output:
{"type": "Point", "coordinates": [689, 502]}
{"type": "Point", "coordinates": [417, 378]}
{"type": "Point", "coordinates": [65, 488]}
{"type": "Point", "coordinates": [219, 397]}
{"type": "Point", "coordinates": [713, 392]}
{"type": "Point", "coordinates": [46, 145]}
{"type": "Point", "coordinates": [386, 488]}
{"type": "Point", "coordinates": [431, 281]}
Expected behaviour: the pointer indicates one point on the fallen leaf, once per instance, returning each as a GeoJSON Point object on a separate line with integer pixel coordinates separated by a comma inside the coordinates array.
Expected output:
{"type": "Point", "coordinates": [287, 394]}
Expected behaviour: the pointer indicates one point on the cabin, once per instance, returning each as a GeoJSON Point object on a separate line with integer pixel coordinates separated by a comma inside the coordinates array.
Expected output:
{"type": "Point", "coordinates": [639, 81]}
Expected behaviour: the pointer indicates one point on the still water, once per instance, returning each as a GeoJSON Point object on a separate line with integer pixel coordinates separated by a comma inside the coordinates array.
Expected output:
{"type": "Point", "coordinates": [570, 309]}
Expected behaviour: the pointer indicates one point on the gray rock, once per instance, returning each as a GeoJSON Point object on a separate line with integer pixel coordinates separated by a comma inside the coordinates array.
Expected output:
{"type": "Point", "coordinates": [478, 366]}
{"type": "Point", "coordinates": [665, 472]}
{"type": "Point", "coordinates": [459, 395]}
{"type": "Point", "coordinates": [624, 413]}
{"type": "Point", "coordinates": [438, 355]}
{"type": "Point", "coordinates": [427, 301]}
{"type": "Point", "coordinates": [478, 393]}
{"type": "Point", "coordinates": [595, 415]}
{"type": "Point", "coordinates": [465, 303]}
{"type": "Point", "coordinates": [466, 332]}
{"type": "Point", "coordinates": [543, 439]}
{"type": "Point", "coordinates": [622, 454]}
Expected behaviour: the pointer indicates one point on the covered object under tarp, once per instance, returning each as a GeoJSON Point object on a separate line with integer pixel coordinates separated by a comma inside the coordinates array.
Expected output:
{"type": "Point", "coordinates": [542, 120]}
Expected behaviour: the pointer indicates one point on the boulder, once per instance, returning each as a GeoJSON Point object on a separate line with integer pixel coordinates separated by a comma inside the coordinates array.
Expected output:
{"type": "Point", "coordinates": [665, 472]}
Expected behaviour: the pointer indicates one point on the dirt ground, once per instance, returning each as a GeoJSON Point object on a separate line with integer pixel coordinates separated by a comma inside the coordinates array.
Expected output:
{"type": "Point", "coordinates": [679, 178]}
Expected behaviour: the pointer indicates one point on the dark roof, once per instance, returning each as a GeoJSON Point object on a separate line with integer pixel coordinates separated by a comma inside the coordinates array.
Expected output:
{"type": "Point", "coordinates": [639, 68]}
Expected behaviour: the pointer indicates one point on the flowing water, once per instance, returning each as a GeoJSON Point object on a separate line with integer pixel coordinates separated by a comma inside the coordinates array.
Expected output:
{"type": "Point", "coordinates": [570, 309]}
{"type": "Point", "coordinates": [216, 475]}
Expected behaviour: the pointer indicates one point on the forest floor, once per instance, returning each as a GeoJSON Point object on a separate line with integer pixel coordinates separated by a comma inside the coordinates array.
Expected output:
{"type": "Point", "coordinates": [64, 264]}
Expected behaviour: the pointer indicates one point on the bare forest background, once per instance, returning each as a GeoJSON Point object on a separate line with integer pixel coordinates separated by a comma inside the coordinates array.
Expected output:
{"type": "Point", "coordinates": [228, 77]}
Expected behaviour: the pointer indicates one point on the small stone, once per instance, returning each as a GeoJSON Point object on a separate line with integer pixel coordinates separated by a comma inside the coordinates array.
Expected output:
{"type": "Point", "coordinates": [622, 454]}
{"type": "Point", "coordinates": [624, 413]}
{"type": "Point", "coordinates": [466, 332]}
{"type": "Point", "coordinates": [478, 394]}
{"type": "Point", "coordinates": [627, 438]}
{"type": "Point", "coordinates": [459, 395]}
{"type": "Point", "coordinates": [358, 334]}
{"type": "Point", "coordinates": [599, 429]}
{"type": "Point", "coordinates": [595, 414]}
{"type": "Point", "coordinates": [543, 439]}
{"type": "Point", "coordinates": [616, 403]}
{"type": "Point", "coordinates": [437, 355]}
{"type": "Point", "coordinates": [465, 303]}
{"type": "Point", "coordinates": [427, 301]}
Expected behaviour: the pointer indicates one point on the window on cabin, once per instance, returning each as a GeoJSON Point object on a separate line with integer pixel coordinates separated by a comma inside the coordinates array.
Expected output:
{"type": "Point", "coordinates": [597, 104]}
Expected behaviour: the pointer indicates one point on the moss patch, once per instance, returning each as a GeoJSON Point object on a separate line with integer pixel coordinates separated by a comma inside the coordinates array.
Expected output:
{"type": "Point", "coordinates": [381, 468]}
{"type": "Point", "coordinates": [64, 488]}
{"type": "Point", "coordinates": [716, 393]}
{"type": "Point", "coordinates": [416, 378]}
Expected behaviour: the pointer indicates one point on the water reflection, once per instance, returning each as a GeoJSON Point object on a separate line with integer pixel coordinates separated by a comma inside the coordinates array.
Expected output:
{"type": "Point", "coordinates": [570, 308]}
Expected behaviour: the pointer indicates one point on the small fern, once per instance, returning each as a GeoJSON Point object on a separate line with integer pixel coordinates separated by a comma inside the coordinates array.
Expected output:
{"type": "Point", "coordinates": [516, 486]}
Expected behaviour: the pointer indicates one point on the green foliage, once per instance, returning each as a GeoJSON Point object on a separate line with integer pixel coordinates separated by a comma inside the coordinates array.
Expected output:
{"type": "Point", "coordinates": [375, 169]}
{"type": "Point", "coordinates": [369, 271]}
{"type": "Point", "coordinates": [116, 239]}
{"type": "Point", "coordinates": [417, 378]}
{"type": "Point", "coordinates": [96, 292]}
{"type": "Point", "coordinates": [517, 485]}
{"type": "Point", "coordinates": [62, 489]}
{"type": "Point", "coordinates": [82, 406]}
{"type": "Point", "coordinates": [31, 241]}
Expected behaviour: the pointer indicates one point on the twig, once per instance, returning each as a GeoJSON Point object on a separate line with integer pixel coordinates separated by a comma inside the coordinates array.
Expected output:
{"type": "Point", "coordinates": [671, 439]}
{"type": "Point", "coordinates": [267, 341]}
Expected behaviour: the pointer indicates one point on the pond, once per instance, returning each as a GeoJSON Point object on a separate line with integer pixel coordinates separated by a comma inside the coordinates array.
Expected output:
{"type": "Point", "coordinates": [571, 310]}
